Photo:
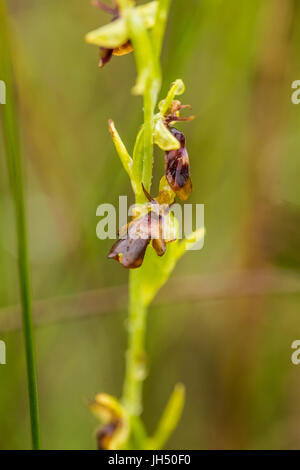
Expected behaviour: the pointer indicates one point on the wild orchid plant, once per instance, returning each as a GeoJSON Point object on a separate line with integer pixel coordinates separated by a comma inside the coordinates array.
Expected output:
{"type": "Point", "coordinates": [141, 29]}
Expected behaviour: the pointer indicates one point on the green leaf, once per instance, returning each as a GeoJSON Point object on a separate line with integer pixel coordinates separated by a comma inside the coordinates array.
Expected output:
{"type": "Point", "coordinates": [138, 435]}
{"type": "Point", "coordinates": [137, 165]}
{"type": "Point", "coordinates": [122, 152]}
{"type": "Point", "coordinates": [169, 420]}
{"type": "Point", "coordinates": [156, 270]}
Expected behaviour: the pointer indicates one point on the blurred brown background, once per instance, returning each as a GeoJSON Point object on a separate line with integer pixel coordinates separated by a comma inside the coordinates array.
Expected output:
{"type": "Point", "coordinates": [225, 323]}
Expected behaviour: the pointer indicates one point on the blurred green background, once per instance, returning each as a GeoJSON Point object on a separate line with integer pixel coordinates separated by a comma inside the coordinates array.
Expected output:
{"type": "Point", "coordinates": [225, 324]}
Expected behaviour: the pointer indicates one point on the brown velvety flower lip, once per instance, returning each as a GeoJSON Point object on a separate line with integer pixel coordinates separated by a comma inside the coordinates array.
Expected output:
{"type": "Point", "coordinates": [177, 167]}
{"type": "Point", "coordinates": [130, 250]}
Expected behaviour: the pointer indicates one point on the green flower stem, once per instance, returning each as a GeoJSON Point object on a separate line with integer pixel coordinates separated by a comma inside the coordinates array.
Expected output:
{"type": "Point", "coordinates": [160, 24]}
{"type": "Point", "coordinates": [149, 105]}
{"type": "Point", "coordinates": [135, 356]}
{"type": "Point", "coordinates": [147, 51]}
{"type": "Point", "coordinates": [12, 145]}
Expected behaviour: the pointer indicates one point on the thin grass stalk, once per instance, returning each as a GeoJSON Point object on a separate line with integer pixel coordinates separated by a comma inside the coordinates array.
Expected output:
{"type": "Point", "coordinates": [12, 146]}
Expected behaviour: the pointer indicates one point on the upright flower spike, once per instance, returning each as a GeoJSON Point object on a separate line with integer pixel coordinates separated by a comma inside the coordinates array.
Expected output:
{"type": "Point", "coordinates": [145, 283]}
{"type": "Point", "coordinates": [113, 38]}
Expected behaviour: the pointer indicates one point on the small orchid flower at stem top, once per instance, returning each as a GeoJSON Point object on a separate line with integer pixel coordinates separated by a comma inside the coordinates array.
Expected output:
{"type": "Point", "coordinates": [107, 53]}
{"type": "Point", "coordinates": [114, 38]}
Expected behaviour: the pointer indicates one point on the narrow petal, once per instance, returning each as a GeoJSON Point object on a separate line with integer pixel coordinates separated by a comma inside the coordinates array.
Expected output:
{"type": "Point", "coordinates": [105, 56]}
{"type": "Point", "coordinates": [164, 138]}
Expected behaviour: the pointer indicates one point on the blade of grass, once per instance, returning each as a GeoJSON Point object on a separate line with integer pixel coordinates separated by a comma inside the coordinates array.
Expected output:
{"type": "Point", "coordinates": [12, 145]}
{"type": "Point", "coordinates": [169, 419]}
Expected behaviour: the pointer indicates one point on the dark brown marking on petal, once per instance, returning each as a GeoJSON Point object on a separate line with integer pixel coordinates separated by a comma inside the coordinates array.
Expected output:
{"type": "Point", "coordinates": [177, 167]}
{"type": "Point", "coordinates": [105, 435]}
{"type": "Point", "coordinates": [150, 199]}
{"type": "Point", "coordinates": [105, 56]}
{"type": "Point", "coordinates": [173, 118]}
{"type": "Point", "coordinates": [131, 248]}
{"type": "Point", "coordinates": [159, 245]}
{"type": "Point", "coordinates": [173, 113]}
{"type": "Point", "coordinates": [129, 252]}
